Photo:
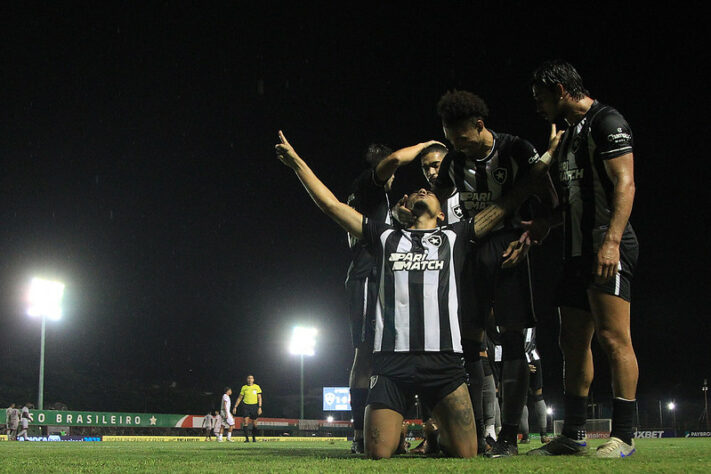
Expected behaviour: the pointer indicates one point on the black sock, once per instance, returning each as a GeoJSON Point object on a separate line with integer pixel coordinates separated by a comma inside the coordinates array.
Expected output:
{"type": "Point", "coordinates": [514, 378]}
{"type": "Point", "coordinates": [622, 419]}
{"type": "Point", "coordinates": [476, 383]}
{"type": "Point", "coordinates": [358, 399]}
{"type": "Point", "coordinates": [509, 433]}
{"type": "Point", "coordinates": [576, 414]}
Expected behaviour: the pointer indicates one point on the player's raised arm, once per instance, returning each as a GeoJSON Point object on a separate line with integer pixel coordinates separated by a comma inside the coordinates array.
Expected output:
{"type": "Point", "coordinates": [398, 158]}
{"type": "Point", "coordinates": [344, 215]}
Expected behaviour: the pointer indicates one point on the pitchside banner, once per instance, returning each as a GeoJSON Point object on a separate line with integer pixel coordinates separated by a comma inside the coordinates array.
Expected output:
{"type": "Point", "coordinates": [91, 418]}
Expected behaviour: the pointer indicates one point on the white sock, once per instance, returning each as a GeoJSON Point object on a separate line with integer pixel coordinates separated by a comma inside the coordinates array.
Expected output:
{"type": "Point", "coordinates": [229, 435]}
{"type": "Point", "coordinates": [219, 437]}
{"type": "Point", "coordinates": [490, 431]}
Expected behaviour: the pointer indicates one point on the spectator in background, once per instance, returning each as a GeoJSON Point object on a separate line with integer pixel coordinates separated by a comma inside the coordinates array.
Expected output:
{"type": "Point", "coordinates": [208, 423]}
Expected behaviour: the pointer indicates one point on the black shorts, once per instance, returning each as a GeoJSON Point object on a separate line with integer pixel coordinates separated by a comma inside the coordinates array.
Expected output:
{"type": "Point", "coordinates": [485, 285]}
{"type": "Point", "coordinates": [398, 377]}
{"type": "Point", "coordinates": [362, 298]}
{"type": "Point", "coordinates": [250, 411]}
{"type": "Point", "coordinates": [578, 276]}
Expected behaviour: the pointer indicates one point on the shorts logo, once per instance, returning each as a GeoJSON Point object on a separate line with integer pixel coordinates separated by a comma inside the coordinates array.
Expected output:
{"type": "Point", "coordinates": [500, 175]}
{"type": "Point", "coordinates": [534, 159]}
{"type": "Point", "coordinates": [373, 381]}
{"type": "Point", "coordinates": [433, 240]}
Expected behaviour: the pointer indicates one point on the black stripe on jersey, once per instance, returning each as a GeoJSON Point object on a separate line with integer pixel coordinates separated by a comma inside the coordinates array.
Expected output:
{"type": "Point", "coordinates": [388, 282]}
{"type": "Point", "coordinates": [481, 177]}
{"type": "Point", "coordinates": [587, 194]}
{"type": "Point", "coordinates": [445, 331]}
{"type": "Point", "coordinates": [458, 175]}
{"type": "Point", "coordinates": [415, 290]}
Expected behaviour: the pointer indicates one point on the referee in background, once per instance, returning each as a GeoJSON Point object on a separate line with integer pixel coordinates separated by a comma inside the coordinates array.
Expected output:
{"type": "Point", "coordinates": [251, 395]}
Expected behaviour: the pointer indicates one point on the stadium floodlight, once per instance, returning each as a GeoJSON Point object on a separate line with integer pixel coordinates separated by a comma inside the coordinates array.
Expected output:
{"type": "Point", "coordinates": [329, 419]}
{"type": "Point", "coordinates": [45, 298]}
{"type": "Point", "coordinates": [45, 301]}
{"type": "Point", "coordinates": [303, 342]}
{"type": "Point", "coordinates": [671, 406]}
{"type": "Point", "coordinates": [549, 411]}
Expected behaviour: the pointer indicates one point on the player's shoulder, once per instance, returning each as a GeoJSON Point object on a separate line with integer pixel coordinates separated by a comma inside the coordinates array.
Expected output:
{"type": "Point", "coordinates": [514, 144]}
{"type": "Point", "coordinates": [605, 116]}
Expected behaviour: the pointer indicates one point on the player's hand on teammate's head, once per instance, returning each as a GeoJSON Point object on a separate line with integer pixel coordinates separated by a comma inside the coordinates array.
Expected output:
{"type": "Point", "coordinates": [285, 152]}
{"type": "Point", "coordinates": [402, 214]}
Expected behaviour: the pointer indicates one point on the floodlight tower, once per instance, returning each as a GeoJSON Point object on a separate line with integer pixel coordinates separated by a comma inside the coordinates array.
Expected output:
{"type": "Point", "coordinates": [303, 342]}
{"type": "Point", "coordinates": [671, 406]}
{"type": "Point", "coordinates": [45, 300]}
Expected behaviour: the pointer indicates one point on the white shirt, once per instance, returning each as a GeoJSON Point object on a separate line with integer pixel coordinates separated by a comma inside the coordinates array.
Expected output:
{"type": "Point", "coordinates": [226, 402]}
{"type": "Point", "coordinates": [208, 421]}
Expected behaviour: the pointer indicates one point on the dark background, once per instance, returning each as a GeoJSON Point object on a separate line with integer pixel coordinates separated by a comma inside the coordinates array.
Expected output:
{"type": "Point", "coordinates": [138, 168]}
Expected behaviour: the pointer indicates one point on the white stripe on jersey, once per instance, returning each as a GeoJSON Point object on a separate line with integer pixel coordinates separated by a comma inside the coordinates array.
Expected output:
{"type": "Point", "coordinates": [431, 302]}
{"type": "Point", "coordinates": [402, 300]}
{"type": "Point", "coordinates": [453, 299]}
{"type": "Point", "coordinates": [378, 343]}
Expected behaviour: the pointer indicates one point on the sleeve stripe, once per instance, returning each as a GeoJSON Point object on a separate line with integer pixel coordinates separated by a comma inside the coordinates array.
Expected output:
{"type": "Point", "coordinates": [616, 150]}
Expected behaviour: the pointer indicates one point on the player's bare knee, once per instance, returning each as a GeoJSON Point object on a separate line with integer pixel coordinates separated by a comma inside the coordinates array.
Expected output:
{"type": "Point", "coordinates": [614, 343]}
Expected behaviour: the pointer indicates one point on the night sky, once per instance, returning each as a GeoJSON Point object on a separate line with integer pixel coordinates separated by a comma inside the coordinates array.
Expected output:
{"type": "Point", "coordinates": [138, 168]}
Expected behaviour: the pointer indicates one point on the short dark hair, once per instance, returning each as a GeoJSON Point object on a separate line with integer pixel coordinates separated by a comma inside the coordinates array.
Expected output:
{"type": "Point", "coordinates": [455, 106]}
{"type": "Point", "coordinates": [227, 388]}
{"type": "Point", "coordinates": [435, 147]}
{"type": "Point", "coordinates": [375, 153]}
{"type": "Point", "coordinates": [551, 73]}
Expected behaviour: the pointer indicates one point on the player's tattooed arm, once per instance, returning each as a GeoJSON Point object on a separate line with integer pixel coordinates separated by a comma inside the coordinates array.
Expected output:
{"type": "Point", "coordinates": [398, 158]}
{"type": "Point", "coordinates": [621, 173]}
{"type": "Point", "coordinates": [344, 215]}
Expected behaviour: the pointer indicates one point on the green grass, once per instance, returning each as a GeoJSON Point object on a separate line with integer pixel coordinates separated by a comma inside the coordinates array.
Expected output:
{"type": "Point", "coordinates": [654, 455]}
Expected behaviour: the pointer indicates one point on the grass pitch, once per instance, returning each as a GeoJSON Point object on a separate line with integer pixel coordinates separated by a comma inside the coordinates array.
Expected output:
{"type": "Point", "coordinates": [653, 455]}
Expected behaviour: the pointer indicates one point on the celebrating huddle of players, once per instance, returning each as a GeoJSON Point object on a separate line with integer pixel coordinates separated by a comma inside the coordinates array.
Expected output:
{"type": "Point", "coordinates": [435, 273]}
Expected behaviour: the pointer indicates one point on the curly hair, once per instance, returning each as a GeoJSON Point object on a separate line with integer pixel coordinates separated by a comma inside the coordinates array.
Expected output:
{"type": "Point", "coordinates": [375, 153]}
{"type": "Point", "coordinates": [455, 106]}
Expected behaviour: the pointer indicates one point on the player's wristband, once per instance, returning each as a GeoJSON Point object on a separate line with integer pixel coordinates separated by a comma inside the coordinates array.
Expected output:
{"type": "Point", "coordinates": [546, 158]}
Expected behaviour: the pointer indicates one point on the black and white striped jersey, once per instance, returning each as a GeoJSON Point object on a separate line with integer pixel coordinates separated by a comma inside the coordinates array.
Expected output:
{"type": "Point", "coordinates": [452, 208]}
{"type": "Point", "coordinates": [481, 182]}
{"type": "Point", "coordinates": [370, 199]}
{"type": "Point", "coordinates": [585, 188]}
{"type": "Point", "coordinates": [418, 295]}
